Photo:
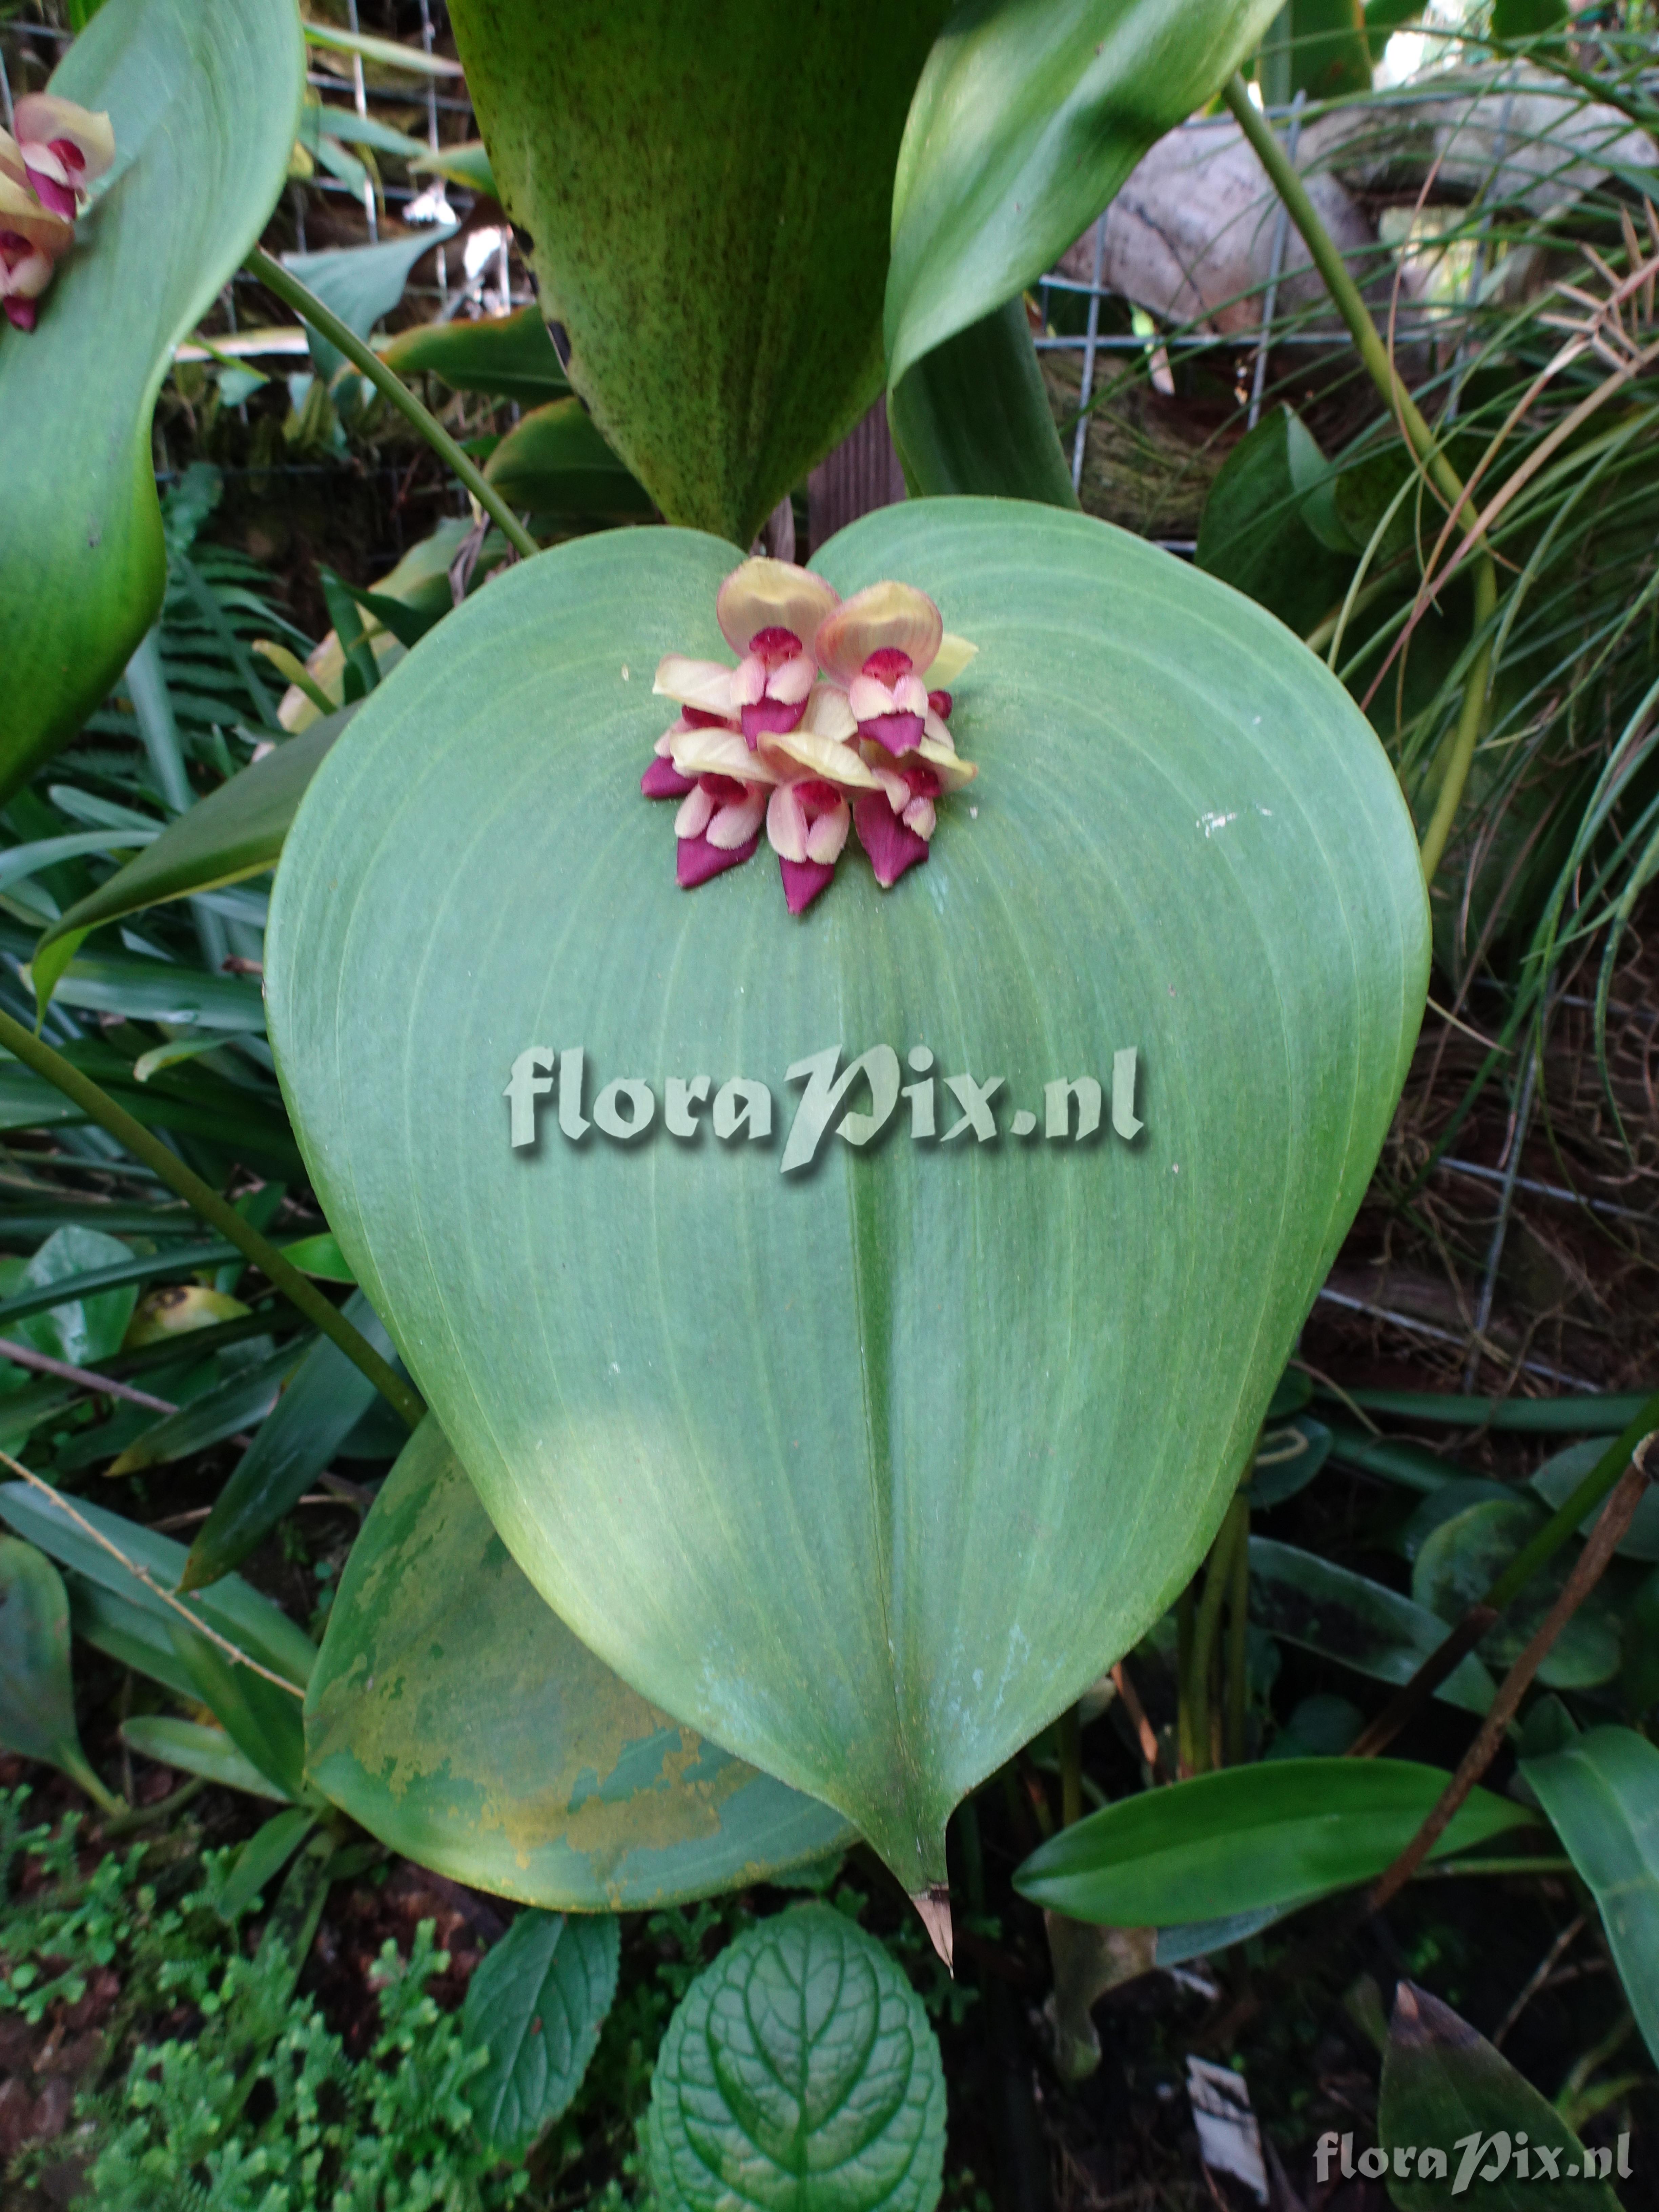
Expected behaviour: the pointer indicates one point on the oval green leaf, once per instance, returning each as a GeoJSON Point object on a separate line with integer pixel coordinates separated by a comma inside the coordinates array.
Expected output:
{"type": "Point", "coordinates": [555, 463]}
{"type": "Point", "coordinates": [800, 2068]}
{"type": "Point", "coordinates": [1027, 119]}
{"type": "Point", "coordinates": [536, 2004]}
{"type": "Point", "coordinates": [767, 135]}
{"type": "Point", "coordinates": [1347, 1617]}
{"type": "Point", "coordinates": [504, 356]}
{"type": "Point", "coordinates": [1602, 1794]}
{"type": "Point", "coordinates": [1445, 2087]}
{"type": "Point", "coordinates": [1460, 1561]}
{"type": "Point", "coordinates": [203, 96]}
{"type": "Point", "coordinates": [865, 1472]}
{"type": "Point", "coordinates": [36, 1697]}
{"type": "Point", "coordinates": [1248, 1838]}
{"type": "Point", "coordinates": [455, 1715]}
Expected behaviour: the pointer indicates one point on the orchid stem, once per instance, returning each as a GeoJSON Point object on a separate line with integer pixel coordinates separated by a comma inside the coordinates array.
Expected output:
{"type": "Point", "coordinates": [1069, 1730]}
{"type": "Point", "coordinates": [99, 1107]}
{"type": "Point", "coordinates": [363, 358]}
{"type": "Point", "coordinates": [1379, 366]}
{"type": "Point", "coordinates": [1236, 1713]}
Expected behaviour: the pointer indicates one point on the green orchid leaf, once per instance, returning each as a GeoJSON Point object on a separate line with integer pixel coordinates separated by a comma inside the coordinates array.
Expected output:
{"type": "Point", "coordinates": [1602, 1792]}
{"type": "Point", "coordinates": [37, 1698]}
{"type": "Point", "coordinates": [555, 463]}
{"type": "Point", "coordinates": [262, 1718]}
{"type": "Point", "coordinates": [139, 1565]}
{"type": "Point", "coordinates": [536, 2004]}
{"type": "Point", "coordinates": [261, 1859]}
{"type": "Point", "coordinates": [243, 1397]}
{"type": "Point", "coordinates": [132, 1634]}
{"type": "Point", "coordinates": [973, 416]}
{"type": "Point", "coordinates": [1248, 1838]}
{"type": "Point", "coordinates": [1287, 1459]}
{"type": "Point", "coordinates": [320, 1256]}
{"type": "Point", "coordinates": [864, 1473]}
{"type": "Point", "coordinates": [361, 284]}
{"type": "Point", "coordinates": [457, 1718]}
{"type": "Point", "coordinates": [234, 832]}
{"type": "Point", "coordinates": [1330, 50]}
{"type": "Point", "coordinates": [1446, 2091]}
{"type": "Point", "coordinates": [467, 166]}
{"type": "Point", "coordinates": [1347, 1617]}
{"type": "Point", "coordinates": [195, 1748]}
{"type": "Point", "coordinates": [1458, 1563]}
{"type": "Point", "coordinates": [321, 121]}
{"type": "Point", "coordinates": [615, 135]}
{"type": "Point", "coordinates": [802, 2060]}
{"type": "Point", "coordinates": [1029, 116]}
{"type": "Point", "coordinates": [145, 990]}
{"type": "Point", "coordinates": [318, 1410]}
{"type": "Point", "coordinates": [203, 96]}
{"type": "Point", "coordinates": [503, 357]}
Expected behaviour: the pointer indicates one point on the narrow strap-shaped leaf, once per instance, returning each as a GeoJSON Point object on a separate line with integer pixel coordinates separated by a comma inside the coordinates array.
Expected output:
{"type": "Point", "coordinates": [973, 417]}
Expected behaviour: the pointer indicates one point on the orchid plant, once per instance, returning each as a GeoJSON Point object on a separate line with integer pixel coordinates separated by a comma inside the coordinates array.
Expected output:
{"type": "Point", "coordinates": [835, 719]}
{"type": "Point", "coordinates": [59, 150]}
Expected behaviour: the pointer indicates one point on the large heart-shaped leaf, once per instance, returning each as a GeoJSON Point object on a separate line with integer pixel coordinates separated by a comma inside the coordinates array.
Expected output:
{"type": "Point", "coordinates": [799, 2069]}
{"type": "Point", "coordinates": [703, 189]}
{"type": "Point", "coordinates": [1029, 116]}
{"type": "Point", "coordinates": [456, 1717]}
{"type": "Point", "coordinates": [203, 96]}
{"type": "Point", "coordinates": [869, 1471]}
{"type": "Point", "coordinates": [1250, 1837]}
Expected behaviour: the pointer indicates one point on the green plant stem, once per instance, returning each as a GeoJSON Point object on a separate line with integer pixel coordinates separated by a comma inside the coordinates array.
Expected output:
{"type": "Point", "coordinates": [1238, 1635]}
{"type": "Point", "coordinates": [1206, 1626]}
{"type": "Point", "coordinates": [1068, 1730]}
{"type": "Point", "coordinates": [1562, 1525]}
{"type": "Point", "coordinates": [363, 358]}
{"type": "Point", "coordinates": [1186, 1609]}
{"type": "Point", "coordinates": [1374, 355]}
{"type": "Point", "coordinates": [299, 1291]}
{"type": "Point", "coordinates": [141, 1816]}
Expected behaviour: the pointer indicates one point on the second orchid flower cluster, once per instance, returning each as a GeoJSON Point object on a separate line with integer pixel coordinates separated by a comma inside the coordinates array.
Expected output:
{"type": "Point", "coordinates": [834, 720]}
{"type": "Point", "coordinates": [59, 150]}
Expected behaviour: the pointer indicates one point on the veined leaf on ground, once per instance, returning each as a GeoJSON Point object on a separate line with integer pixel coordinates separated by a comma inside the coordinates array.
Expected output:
{"type": "Point", "coordinates": [802, 2060]}
{"type": "Point", "coordinates": [1279, 1833]}
{"type": "Point", "coordinates": [455, 1715]}
{"type": "Point", "coordinates": [202, 97]}
{"type": "Point", "coordinates": [536, 2002]}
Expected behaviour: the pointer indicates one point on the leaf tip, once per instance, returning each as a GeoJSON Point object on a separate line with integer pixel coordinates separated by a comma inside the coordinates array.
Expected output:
{"type": "Point", "coordinates": [933, 1904]}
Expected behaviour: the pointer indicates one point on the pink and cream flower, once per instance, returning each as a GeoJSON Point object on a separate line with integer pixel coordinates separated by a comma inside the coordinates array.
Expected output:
{"type": "Point", "coordinates": [866, 747]}
{"type": "Point", "coordinates": [769, 613]}
{"type": "Point", "coordinates": [883, 646]}
{"type": "Point", "coordinates": [30, 238]}
{"type": "Point", "coordinates": [63, 149]}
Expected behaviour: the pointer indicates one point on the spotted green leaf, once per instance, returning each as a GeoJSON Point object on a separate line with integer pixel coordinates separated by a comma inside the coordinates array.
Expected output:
{"type": "Point", "coordinates": [455, 1717]}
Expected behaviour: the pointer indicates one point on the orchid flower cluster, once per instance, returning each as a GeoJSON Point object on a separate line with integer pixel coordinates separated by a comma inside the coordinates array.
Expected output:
{"type": "Point", "coordinates": [59, 150]}
{"type": "Point", "coordinates": [835, 719]}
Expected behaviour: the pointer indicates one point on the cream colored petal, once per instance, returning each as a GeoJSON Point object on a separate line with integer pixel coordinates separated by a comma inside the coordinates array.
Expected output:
{"type": "Point", "coordinates": [829, 714]}
{"type": "Point", "coordinates": [11, 159]}
{"type": "Point", "coordinates": [793, 681]}
{"type": "Point", "coordinates": [835, 762]}
{"type": "Point", "coordinates": [910, 695]}
{"type": "Point", "coordinates": [704, 685]}
{"type": "Point", "coordinates": [767, 594]}
{"type": "Point", "coordinates": [919, 816]}
{"type": "Point", "coordinates": [721, 753]}
{"type": "Point", "coordinates": [952, 771]}
{"type": "Point", "coordinates": [736, 824]}
{"type": "Point", "coordinates": [935, 732]}
{"type": "Point", "coordinates": [28, 279]}
{"type": "Point", "coordinates": [868, 699]}
{"type": "Point", "coordinates": [692, 817]}
{"type": "Point", "coordinates": [21, 211]}
{"type": "Point", "coordinates": [41, 117]}
{"type": "Point", "coordinates": [828, 834]}
{"type": "Point", "coordinates": [953, 657]}
{"type": "Point", "coordinates": [786, 822]}
{"type": "Point", "coordinates": [888, 615]}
